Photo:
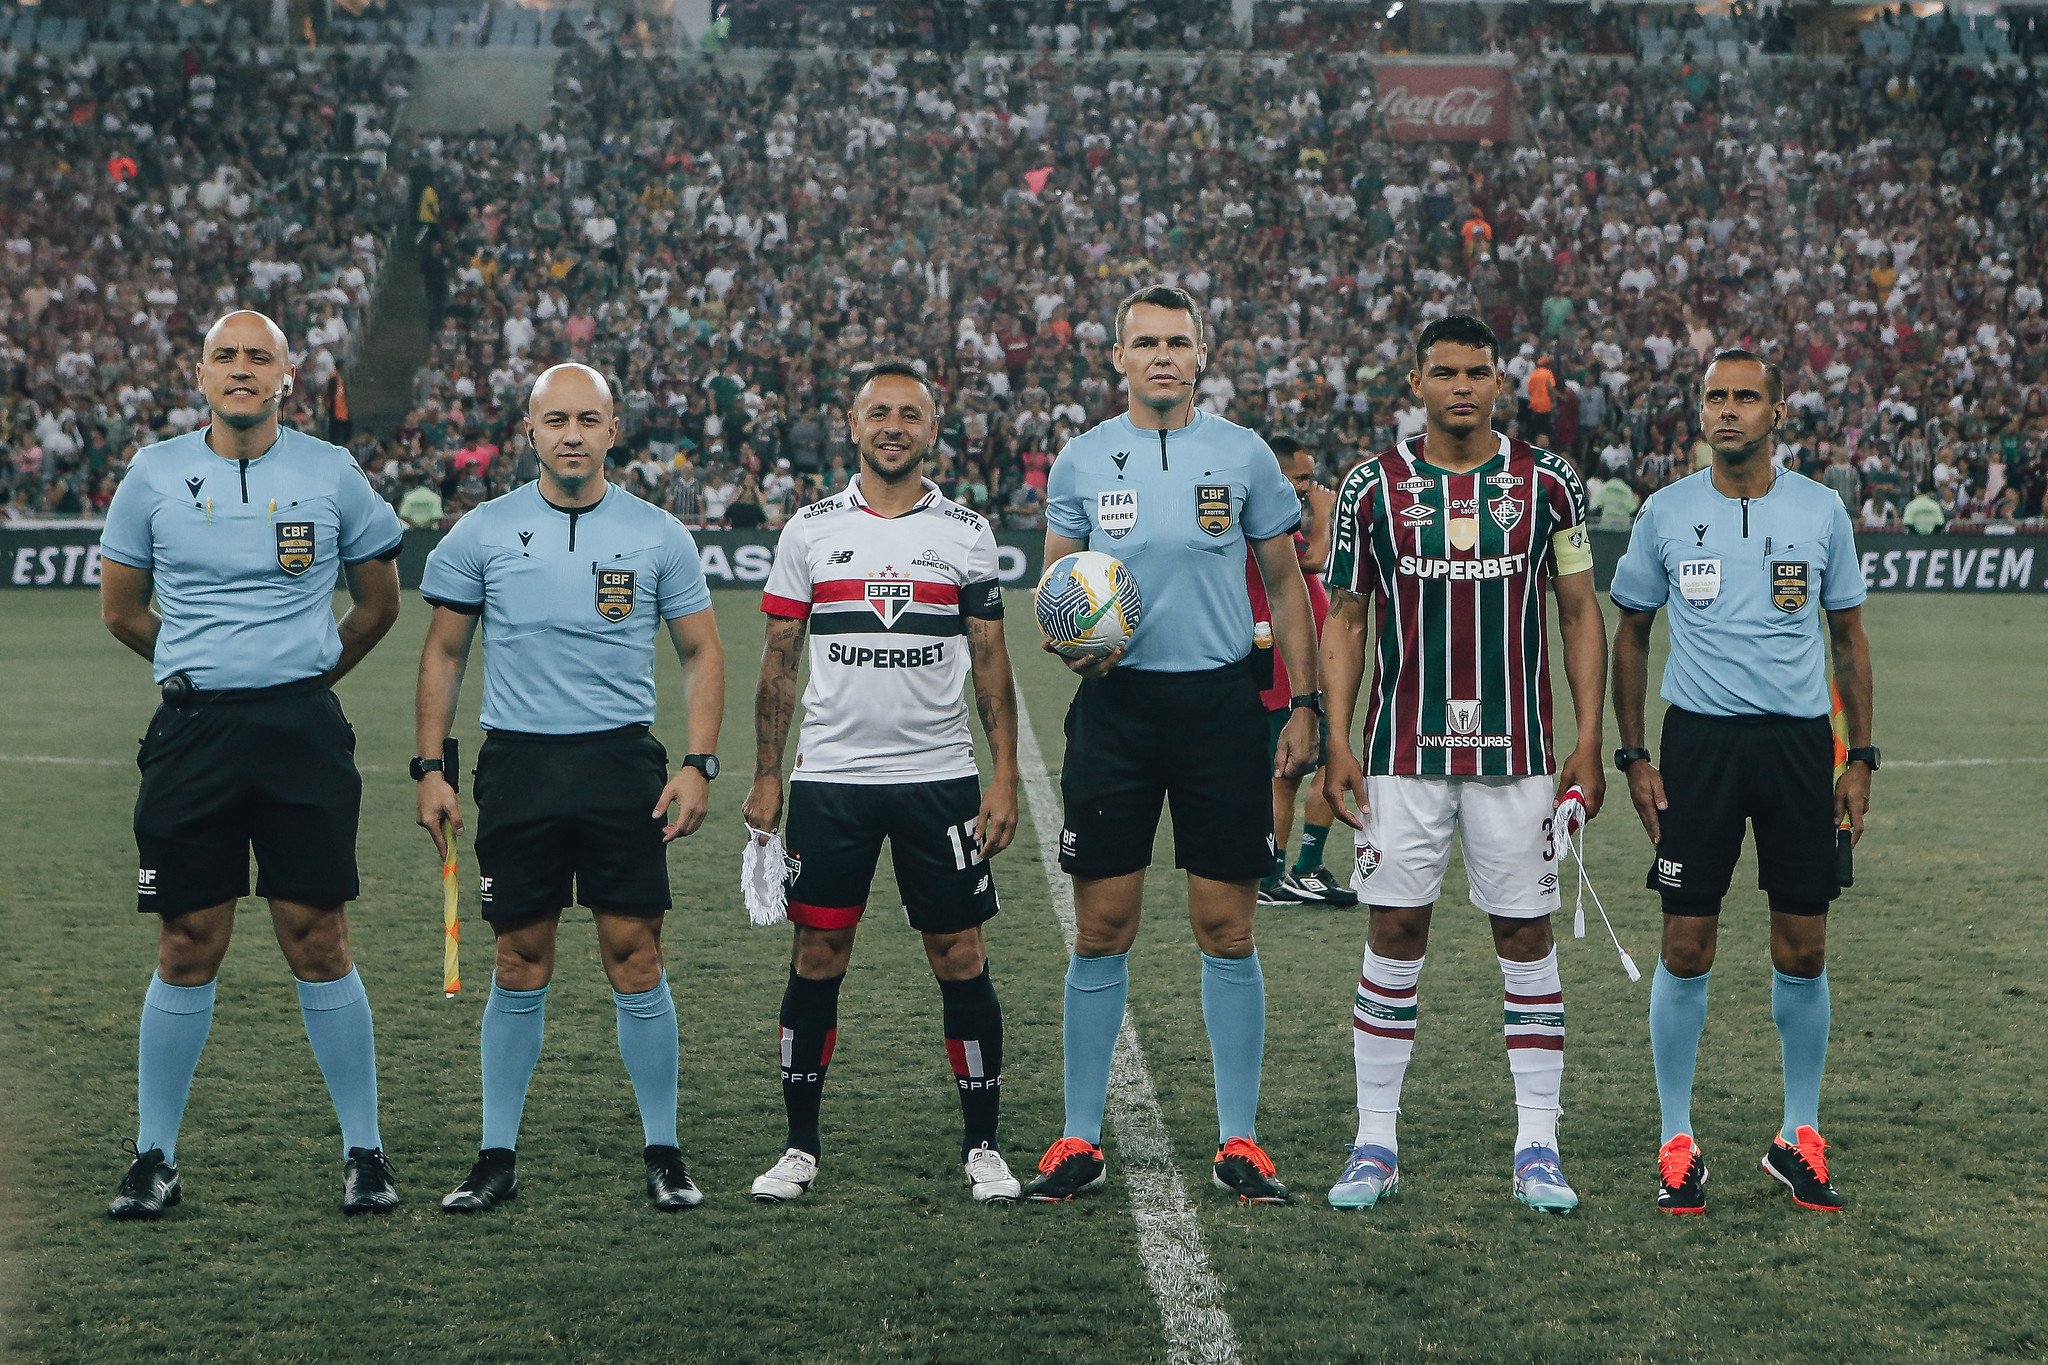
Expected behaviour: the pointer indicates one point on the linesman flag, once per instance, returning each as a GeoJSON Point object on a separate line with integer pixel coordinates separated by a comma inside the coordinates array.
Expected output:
{"type": "Point", "coordinates": [451, 916]}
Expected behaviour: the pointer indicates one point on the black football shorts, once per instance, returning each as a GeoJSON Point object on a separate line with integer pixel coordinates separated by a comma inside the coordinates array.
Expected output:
{"type": "Point", "coordinates": [834, 841]}
{"type": "Point", "coordinates": [563, 814]}
{"type": "Point", "coordinates": [276, 772]}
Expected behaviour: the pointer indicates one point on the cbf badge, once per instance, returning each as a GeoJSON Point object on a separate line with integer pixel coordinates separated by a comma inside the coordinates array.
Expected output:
{"type": "Point", "coordinates": [1212, 507]}
{"type": "Point", "coordinates": [615, 593]}
{"type": "Point", "coordinates": [1788, 584]}
{"type": "Point", "coordinates": [1699, 581]}
{"type": "Point", "coordinates": [295, 546]}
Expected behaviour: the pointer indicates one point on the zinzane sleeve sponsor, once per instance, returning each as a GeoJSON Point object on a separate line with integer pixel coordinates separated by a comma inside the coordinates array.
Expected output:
{"type": "Point", "coordinates": [788, 593]}
{"type": "Point", "coordinates": [981, 589]}
{"type": "Point", "coordinates": [1350, 525]}
{"type": "Point", "coordinates": [682, 590]}
{"type": "Point", "coordinates": [1570, 550]}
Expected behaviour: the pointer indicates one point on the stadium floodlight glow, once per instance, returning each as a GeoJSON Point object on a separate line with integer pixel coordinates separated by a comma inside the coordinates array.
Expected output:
{"type": "Point", "coordinates": [1395, 8]}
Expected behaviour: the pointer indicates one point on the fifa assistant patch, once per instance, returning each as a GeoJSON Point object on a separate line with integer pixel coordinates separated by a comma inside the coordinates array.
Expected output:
{"type": "Point", "coordinates": [1567, 829]}
{"type": "Point", "coordinates": [762, 872]}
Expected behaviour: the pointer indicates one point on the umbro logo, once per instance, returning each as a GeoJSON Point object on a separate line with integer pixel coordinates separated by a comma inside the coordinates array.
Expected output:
{"type": "Point", "coordinates": [525, 539]}
{"type": "Point", "coordinates": [839, 557]}
{"type": "Point", "coordinates": [1120, 457]}
{"type": "Point", "coordinates": [193, 486]}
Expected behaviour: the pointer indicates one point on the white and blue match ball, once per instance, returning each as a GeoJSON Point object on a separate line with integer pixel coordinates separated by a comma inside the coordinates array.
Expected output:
{"type": "Point", "coordinates": [1088, 604]}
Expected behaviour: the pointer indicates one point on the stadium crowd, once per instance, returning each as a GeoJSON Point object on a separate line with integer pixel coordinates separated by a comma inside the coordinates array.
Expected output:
{"type": "Point", "coordinates": [144, 195]}
{"type": "Point", "coordinates": [729, 252]}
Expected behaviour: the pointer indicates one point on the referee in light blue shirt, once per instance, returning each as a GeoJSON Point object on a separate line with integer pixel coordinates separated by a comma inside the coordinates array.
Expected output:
{"type": "Point", "coordinates": [572, 579]}
{"type": "Point", "coordinates": [242, 530]}
{"type": "Point", "coordinates": [1181, 497]}
{"type": "Point", "coordinates": [1748, 559]}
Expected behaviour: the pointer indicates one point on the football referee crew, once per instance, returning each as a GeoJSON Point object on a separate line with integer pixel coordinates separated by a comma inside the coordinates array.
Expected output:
{"type": "Point", "coordinates": [1181, 496]}
{"type": "Point", "coordinates": [572, 578]}
{"type": "Point", "coordinates": [241, 529]}
{"type": "Point", "coordinates": [1749, 557]}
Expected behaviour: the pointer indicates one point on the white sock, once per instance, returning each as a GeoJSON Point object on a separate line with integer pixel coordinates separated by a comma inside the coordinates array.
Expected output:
{"type": "Point", "coordinates": [1532, 1015]}
{"type": "Point", "coordinates": [1382, 1042]}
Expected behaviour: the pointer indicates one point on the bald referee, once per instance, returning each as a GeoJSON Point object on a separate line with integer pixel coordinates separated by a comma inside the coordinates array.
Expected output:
{"type": "Point", "coordinates": [1759, 568]}
{"type": "Point", "coordinates": [242, 530]}
{"type": "Point", "coordinates": [573, 579]}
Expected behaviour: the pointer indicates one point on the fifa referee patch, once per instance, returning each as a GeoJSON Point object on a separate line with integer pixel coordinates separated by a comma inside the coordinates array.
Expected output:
{"type": "Point", "coordinates": [295, 546]}
{"type": "Point", "coordinates": [615, 593]}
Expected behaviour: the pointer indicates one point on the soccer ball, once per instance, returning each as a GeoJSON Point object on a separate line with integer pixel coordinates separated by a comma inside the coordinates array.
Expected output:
{"type": "Point", "coordinates": [1087, 604]}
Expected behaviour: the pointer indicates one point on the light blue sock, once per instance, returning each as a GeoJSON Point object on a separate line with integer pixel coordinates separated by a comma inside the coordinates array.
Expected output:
{"type": "Point", "coordinates": [337, 1015]}
{"type": "Point", "coordinates": [1678, 1015]}
{"type": "Point", "coordinates": [1234, 1008]}
{"type": "Point", "coordinates": [513, 1024]}
{"type": "Point", "coordinates": [648, 1042]}
{"type": "Point", "coordinates": [1097, 988]}
{"type": "Point", "coordinates": [175, 1022]}
{"type": "Point", "coordinates": [1800, 1008]}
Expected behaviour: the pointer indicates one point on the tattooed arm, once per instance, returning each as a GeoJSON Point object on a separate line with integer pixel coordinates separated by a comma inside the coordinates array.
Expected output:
{"type": "Point", "coordinates": [774, 706]}
{"type": "Point", "coordinates": [995, 696]}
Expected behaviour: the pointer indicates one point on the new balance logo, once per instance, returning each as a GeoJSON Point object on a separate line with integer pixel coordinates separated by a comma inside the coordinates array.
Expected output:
{"type": "Point", "coordinates": [839, 557]}
{"type": "Point", "coordinates": [981, 885]}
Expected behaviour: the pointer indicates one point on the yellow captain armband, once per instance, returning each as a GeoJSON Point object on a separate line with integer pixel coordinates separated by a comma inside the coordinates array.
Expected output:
{"type": "Point", "coordinates": [1572, 551]}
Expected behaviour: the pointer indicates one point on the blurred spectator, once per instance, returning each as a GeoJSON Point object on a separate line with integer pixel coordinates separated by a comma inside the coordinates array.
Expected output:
{"type": "Point", "coordinates": [1923, 515]}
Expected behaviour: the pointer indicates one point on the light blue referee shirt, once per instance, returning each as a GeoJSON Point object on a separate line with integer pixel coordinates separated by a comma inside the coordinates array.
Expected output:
{"type": "Point", "coordinates": [244, 554]}
{"type": "Point", "coordinates": [571, 605]}
{"type": "Point", "coordinates": [1177, 507]}
{"type": "Point", "coordinates": [1746, 580]}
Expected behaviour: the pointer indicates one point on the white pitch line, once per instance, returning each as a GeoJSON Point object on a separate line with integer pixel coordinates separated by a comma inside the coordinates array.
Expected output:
{"type": "Point", "coordinates": [1958, 762]}
{"type": "Point", "coordinates": [1177, 1268]}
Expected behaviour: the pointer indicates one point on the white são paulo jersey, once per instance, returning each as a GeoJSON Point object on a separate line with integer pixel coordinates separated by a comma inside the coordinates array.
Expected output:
{"type": "Point", "coordinates": [888, 600]}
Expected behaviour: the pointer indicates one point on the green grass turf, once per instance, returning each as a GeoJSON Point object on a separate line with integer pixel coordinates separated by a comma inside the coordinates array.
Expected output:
{"type": "Point", "coordinates": [1932, 1099]}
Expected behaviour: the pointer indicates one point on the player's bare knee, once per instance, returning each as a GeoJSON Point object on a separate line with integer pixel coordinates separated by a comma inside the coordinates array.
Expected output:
{"type": "Point", "coordinates": [1105, 936]}
{"type": "Point", "coordinates": [1399, 933]}
{"type": "Point", "coordinates": [1228, 938]}
{"type": "Point", "coordinates": [956, 957]}
{"type": "Point", "coordinates": [190, 947]}
{"type": "Point", "coordinates": [1799, 944]}
{"type": "Point", "coordinates": [315, 942]}
{"type": "Point", "coordinates": [1522, 940]}
{"type": "Point", "coordinates": [821, 954]}
{"type": "Point", "coordinates": [632, 963]}
{"type": "Point", "coordinates": [525, 958]}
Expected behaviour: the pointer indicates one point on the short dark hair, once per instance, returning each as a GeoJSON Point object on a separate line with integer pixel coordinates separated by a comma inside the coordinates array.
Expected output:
{"type": "Point", "coordinates": [1286, 448]}
{"type": "Point", "coordinates": [1160, 296]}
{"type": "Point", "coordinates": [1774, 378]}
{"type": "Point", "coordinates": [1460, 329]}
{"type": "Point", "coordinates": [897, 365]}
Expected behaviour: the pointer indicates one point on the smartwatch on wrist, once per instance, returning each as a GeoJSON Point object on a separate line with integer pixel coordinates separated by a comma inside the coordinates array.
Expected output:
{"type": "Point", "coordinates": [420, 767]}
{"type": "Point", "coordinates": [706, 764]}
{"type": "Point", "coordinates": [1866, 754]}
{"type": "Point", "coordinates": [1623, 758]}
{"type": "Point", "coordinates": [1307, 701]}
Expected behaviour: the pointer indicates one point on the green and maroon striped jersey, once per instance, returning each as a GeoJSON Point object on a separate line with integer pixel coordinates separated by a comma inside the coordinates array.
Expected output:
{"type": "Point", "coordinates": [1459, 563]}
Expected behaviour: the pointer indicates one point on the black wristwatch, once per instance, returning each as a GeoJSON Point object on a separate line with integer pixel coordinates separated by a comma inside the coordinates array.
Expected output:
{"type": "Point", "coordinates": [1624, 757]}
{"type": "Point", "coordinates": [422, 766]}
{"type": "Point", "coordinates": [706, 764]}
{"type": "Point", "coordinates": [1866, 754]}
{"type": "Point", "coordinates": [1307, 701]}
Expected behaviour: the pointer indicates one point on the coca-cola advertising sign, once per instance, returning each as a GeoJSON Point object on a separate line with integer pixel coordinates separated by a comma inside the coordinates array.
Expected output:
{"type": "Point", "coordinates": [1426, 103]}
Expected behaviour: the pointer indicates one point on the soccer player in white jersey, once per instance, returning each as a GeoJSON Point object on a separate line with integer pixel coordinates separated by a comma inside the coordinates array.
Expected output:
{"type": "Point", "coordinates": [1457, 533]}
{"type": "Point", "coordinates": [896, 586]}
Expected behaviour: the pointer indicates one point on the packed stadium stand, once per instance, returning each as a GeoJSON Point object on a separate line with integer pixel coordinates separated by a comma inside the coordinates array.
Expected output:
{"type": "Point", "coordinates": [730, 228]}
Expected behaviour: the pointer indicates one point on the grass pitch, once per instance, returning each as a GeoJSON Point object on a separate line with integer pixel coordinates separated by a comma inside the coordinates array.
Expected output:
{"type": "Point", "coordinates": [1932, 1099]}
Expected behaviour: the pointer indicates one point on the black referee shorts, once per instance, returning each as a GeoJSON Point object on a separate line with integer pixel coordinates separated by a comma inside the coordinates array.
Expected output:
{"type": "Point", "coordinates": [562, 818]}
{"type": "Point", "coordinates": [275, 771]}
{"type": "Point", "coordinates": [1775, 772]}
{"type": "Point", "coordinates": [1198, 741]}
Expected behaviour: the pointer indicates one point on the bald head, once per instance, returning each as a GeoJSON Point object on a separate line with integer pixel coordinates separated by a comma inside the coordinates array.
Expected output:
{"type": "Point", "coordinates": [569, 388]}
{"type": "Point", "coordinates": [243, 327]}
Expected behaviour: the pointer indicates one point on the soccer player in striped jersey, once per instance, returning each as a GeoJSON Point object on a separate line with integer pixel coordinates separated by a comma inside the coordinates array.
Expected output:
{"type": "Point", "coordinates": [1457, 533]}
{"type": "Point", "coordinates": [896, 586]}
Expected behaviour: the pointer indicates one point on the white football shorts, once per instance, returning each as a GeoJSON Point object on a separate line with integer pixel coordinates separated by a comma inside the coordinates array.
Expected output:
{"type": "Point", "coordinates": [1504, 828]}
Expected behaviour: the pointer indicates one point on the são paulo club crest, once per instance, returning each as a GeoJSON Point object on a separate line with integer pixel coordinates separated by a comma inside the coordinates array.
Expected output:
{"type": "Point", "coordinates": [890, 595]}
